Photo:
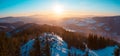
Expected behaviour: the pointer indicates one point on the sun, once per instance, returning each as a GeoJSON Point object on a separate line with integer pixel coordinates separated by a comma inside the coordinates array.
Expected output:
{"type": "Point", "coordinates": [58, 9]}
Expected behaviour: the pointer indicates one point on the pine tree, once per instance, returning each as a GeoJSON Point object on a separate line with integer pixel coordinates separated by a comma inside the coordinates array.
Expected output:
{"type": "Point", "coordinates": [36, 48]}
{"type": "Point", "coordinates": [47, 47]}
{"type": "Point", "coordinates": [117, 52]}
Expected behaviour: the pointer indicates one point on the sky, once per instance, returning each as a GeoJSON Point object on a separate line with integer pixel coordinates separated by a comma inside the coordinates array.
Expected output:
{"type": "Point", "coordinates": [70, 7]}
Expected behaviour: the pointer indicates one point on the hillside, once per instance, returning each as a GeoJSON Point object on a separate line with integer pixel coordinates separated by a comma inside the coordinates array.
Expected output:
{"type": "Point", "coordinates": [53, 45]}
{"type": "Point", "coordinates": [72, 42]}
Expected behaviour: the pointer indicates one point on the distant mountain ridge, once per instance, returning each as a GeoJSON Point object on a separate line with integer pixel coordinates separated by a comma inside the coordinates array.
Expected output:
{"type": "Point", "coordinates": [107, 26]}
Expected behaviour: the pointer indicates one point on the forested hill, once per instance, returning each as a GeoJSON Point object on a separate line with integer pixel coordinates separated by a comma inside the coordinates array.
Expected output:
{"type": "Point", "coordinates": [10, 45]}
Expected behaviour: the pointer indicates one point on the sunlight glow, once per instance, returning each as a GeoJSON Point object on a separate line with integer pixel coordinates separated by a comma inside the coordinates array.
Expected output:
{"type": "Point", "coordinates": [58, 9]}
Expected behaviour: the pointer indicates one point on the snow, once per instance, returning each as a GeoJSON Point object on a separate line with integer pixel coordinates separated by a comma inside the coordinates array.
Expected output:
{"type": "Point", "coordinates": [71, 21]}
{"type": "Point", "coordinates": [108, 51]}
{"type": "Point", "coordinates": [74, 50]}
{"type": "Point", "coordinates": [114, 33]}
{"type": "Point", "coordinates": [26, 48]}
{"type": "Point", "coordinates": [58, 47]}
{"type": "Point", "coordinates": [100, 24]}
{"type": "Point", "coordinates": [92, 28]}
{"type": "Point", "coordinates": [70, 30]}
{"type": "Point", "coordinates": [3, 27]}
{"type": "Point", "coordinates": [12, 27]}
{"type": "Point", "coordinates": [81, 24]}
{"type": "Point", "coordinates": [107, 28]}
{"type": "Point", "coordinates": [92, 53]}
{"type": "Point", "coordinates": [90, 20]}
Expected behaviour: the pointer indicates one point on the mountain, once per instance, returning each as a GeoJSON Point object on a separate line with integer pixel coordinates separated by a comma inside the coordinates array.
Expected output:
{"type": "Point", "coordinates": [19, 29]}
{"type": "Point", "coordinates": [29, 19]}
{"type": "Point", "coordinates": [106, 26]}
{"type": "Point", "coordinates": [10, 26]}
{"type": "Point", "coordinates": [46, 40]}
{"type": "Point", "coordinates": [72, 37]}
{"type": "Point", "coordinates": [58, 47]}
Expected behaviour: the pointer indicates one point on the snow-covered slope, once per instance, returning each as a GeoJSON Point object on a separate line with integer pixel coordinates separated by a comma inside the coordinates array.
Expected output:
{"type": "Point", "coordinates": [27, 47]}
{"type": "Point", "coordinates": [58, 47]}
{"type": "Point", "coordinates": [108, 51]}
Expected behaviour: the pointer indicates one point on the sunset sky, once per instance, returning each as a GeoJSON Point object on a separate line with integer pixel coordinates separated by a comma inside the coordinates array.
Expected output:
{"type": "Point", "coordinates": [69, 7]}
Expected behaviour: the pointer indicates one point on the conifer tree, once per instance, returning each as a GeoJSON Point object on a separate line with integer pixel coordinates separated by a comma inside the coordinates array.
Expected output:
{"type": "Point", "coordinates": [47, 47]}
{"type": "Point", "coordinates": [117, 52]}
{"type": "Point", "coordinates": [36, 48]}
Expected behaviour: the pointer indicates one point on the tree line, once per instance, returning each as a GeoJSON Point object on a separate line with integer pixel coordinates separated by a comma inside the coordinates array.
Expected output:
{"type": "Point", "coordinates": [10, 46]}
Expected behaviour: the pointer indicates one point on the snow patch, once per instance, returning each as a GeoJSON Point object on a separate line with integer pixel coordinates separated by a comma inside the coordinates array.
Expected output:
{"type": "Point", "coordinates": [108, 51]}
{"type": "Point", "coordinates": [100, 24]}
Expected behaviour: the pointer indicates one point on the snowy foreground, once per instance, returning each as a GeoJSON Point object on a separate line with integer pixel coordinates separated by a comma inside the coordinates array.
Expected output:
{"type": "Point", "coordinates": [59, 47]}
